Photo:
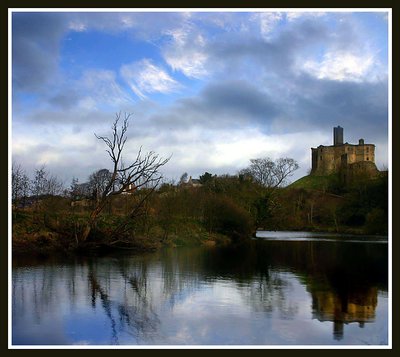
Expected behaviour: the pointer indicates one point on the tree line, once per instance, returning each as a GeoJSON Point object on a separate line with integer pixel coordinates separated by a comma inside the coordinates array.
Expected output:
{"type": "Point", "coordinates": [115, 206]}
{"type": "Point", "coordinates": [24, 189]}
{"type": "Point", "coordinates": [133, 204]}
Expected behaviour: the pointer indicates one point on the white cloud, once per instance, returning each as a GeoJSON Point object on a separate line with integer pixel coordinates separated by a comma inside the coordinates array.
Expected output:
{"type": "Point", "coordinates": [76, 25]}
{"type": "Point", "coordinates": [127, 21]}
{"type": "Point", "coordinates": [23, 144]}
{"type": "Point", "coordinates": [145, 77]}
{"type": "Point", "coordinates": [187, 51]}
{"type": "Point", "coordinates": [103, 88]}
{"type": "Point", "coordinates": [268, 22]}
{"type": "Point", "coordinates": [341, 66]}
{"type": "Point", "coordinates": [293, 16]}
{"type": "Point", "coordinates": [196, 150]}
{"type": "Point", "coordinates": [234, 148]}
{"type": "Point", "coordinates": [49, 157]}
{"type": "Point", "coordinates": [87, 104]}
{"type": "Point", "coordinates": [201, 46]}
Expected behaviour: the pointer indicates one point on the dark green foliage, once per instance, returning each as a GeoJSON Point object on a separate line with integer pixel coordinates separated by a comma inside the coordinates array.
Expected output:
{"type": "Point", "coordinates": [366, 203]}
{"type": "Point", "coordinates": [222, 215]}
{"type": "Point", "coordinates": [244, 192]}
{"type": "Point", "coordinates": [230, 206]}
{"type": "Point", "coordinates": [205, 178]}
{"type": "Point", "coordinates": [361, 207]}
{"type": "Point", "coordinates": [264, 211]}
{"type": "Point", "coordinates": [335, 185]}
{"type": "Point", "coordinates": [222, 205]}
{"type": "Point", "coordinates": [376, 221]}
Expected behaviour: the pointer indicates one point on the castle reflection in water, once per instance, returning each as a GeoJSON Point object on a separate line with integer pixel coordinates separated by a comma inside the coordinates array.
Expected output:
{"type": "Point", "coordinates": [280, 292]}
{"type": "Point", "coordinates": [353, 308]}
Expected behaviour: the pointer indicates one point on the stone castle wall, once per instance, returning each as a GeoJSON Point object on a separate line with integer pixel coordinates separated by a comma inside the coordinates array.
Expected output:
{"type": "Point", "coordinates": [330, 159]}
{"type": "Point", "coordinates": [359, 170]}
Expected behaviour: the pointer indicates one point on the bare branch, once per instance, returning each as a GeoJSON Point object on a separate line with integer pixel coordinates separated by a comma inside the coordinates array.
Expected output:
{"type": "Point", "coordinates": [269, 173]}
{"type": "Point", "coordinates": [143, 172]}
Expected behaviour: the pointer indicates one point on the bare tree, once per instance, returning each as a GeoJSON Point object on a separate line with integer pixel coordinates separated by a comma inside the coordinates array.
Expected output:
{"type": "Point", "coordinates": [269, 173]}
{"type": "Point", "coordinates": [284, 168]}
{"type": "Point", "coordinates": [79, 191]}
{"type": "Point", "coordinates": [16, 176]}
{"type": "Point", "coordinates": [39, 182]}
{"type": "Point", "coordinates": [53, 186]}
{"type": "Point", "coordinates": [20, 184]}
{"type": "Point", "coordinates": [45, 184]}
{"type": "Point", "coordinates": [143, 172]}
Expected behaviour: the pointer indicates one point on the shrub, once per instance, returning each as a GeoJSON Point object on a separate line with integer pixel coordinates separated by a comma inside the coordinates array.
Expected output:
{"type": "Point", "coordinates": [376, 222]}
{"type": "Point", "coordinates": [222, 215]}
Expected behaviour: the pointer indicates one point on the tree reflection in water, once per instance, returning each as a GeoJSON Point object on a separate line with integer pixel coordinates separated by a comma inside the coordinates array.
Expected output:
{"type": "Point", "coordinates": [133, 310]}
{"type": "Point", "coordinates": [342, 278]}
{"type": "Point", "coordinates": [136, 293]}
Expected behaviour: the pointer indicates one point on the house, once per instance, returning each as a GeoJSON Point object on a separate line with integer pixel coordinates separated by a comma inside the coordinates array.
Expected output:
{"type": "Point", "coordinates": [193, 182]}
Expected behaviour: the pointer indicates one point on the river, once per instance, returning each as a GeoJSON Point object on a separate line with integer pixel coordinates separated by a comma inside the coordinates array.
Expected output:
{"type": "Point", "coordinates": [278, 289]}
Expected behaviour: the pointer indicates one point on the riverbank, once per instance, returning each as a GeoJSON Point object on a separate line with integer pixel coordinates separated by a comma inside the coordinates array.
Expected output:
{"type": "Point", "coordinates": [39, 235]}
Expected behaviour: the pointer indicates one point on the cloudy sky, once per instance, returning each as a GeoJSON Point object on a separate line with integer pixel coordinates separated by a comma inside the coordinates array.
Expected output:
{"type": "Point", "coordinates": [212, 89]}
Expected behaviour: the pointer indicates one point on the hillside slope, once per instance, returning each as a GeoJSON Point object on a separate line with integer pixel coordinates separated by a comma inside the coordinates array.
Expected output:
{"type": "Point", "coordinates": [313, 182]}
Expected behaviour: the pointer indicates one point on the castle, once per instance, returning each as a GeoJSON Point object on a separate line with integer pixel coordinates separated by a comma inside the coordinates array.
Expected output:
{"type": "Point", "coordinates": [346, 158]}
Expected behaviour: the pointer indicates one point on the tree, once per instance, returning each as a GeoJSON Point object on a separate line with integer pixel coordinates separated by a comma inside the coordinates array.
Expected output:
{"type": "Point", "coordinates": [74, 188]}
{"type": "Point", "coordinates": [183, 178]}
{"type": "Point", "coordinates": [53, 186]}
{"type": "Point", "coordinates": [98, 182]}
{"type": "Point", "coordinates": [206, 177]}
{"type": "Point", "coordinates": [143, 172]}
{"type": "Point", "coordinates": [20, 184]}
{"type": "Point", "coordinates": [44, 184]}
{"type": "Point", "coordinates": [39, 182]}
{"type": "Point", "coordinates": [269, 173]}
{"type": "Point", "coordinates": [223, 215]}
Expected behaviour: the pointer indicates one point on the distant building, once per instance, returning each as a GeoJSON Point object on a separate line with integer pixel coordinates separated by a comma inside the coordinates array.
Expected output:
{"type": "Point", "coordinates": [191, 183]}
{"type": "Point", "coordinates": [352, 158]}
{"type": "Point", "coordinates": [131, 188]}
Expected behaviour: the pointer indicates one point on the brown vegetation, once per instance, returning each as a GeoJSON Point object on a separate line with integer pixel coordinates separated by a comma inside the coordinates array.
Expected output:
{"type": "Point", "coordinates": [129, 208]}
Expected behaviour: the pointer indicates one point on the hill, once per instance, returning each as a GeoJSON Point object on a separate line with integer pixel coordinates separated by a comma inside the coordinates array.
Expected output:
{"type": "Point", "coordinates": [313, 182]}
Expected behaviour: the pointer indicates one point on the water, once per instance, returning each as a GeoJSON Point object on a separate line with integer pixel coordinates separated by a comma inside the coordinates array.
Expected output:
{"type": "Point", "coordinates": [265, 292]}
{"type": "Point", "coordinates": [317, 236]}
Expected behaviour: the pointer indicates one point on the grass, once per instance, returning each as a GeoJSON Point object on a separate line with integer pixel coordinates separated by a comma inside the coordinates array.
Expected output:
{"type": "Point", "coordinates": [313, 182]}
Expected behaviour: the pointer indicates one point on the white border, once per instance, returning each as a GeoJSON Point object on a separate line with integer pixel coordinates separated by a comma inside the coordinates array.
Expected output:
{"type": "Point", "coordinates": [390, 170]}
{"type": "Point", "coordinates": [9, 178]}
{"type": "Point", "coordinates": [240, 10]}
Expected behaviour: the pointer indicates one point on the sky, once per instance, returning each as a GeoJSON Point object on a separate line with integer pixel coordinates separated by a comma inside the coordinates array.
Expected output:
{"type": "Point", "coordinates": [211, 90]}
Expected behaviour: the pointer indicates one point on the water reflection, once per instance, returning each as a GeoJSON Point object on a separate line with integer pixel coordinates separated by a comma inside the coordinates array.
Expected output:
{"type": "Point", "coordinates": [355, 307]}
{"type": "Point", "coordinates": [256, 293]}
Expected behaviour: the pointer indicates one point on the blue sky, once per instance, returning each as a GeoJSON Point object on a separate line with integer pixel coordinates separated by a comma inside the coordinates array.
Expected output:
{"type": "Point", "coordinates": [212, 89]}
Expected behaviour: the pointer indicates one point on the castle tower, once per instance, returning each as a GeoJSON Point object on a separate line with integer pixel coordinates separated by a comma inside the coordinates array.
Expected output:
{"type": "Point", "coordinates": [326, 160]}
{"type": "Point", "coordinates": [338, 136]}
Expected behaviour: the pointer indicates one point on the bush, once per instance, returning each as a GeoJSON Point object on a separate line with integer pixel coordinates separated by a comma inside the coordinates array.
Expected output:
{"type": "Point", "coordinates": [222, 215]}
{"type": "Point", "coordinates": [376, 222]}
